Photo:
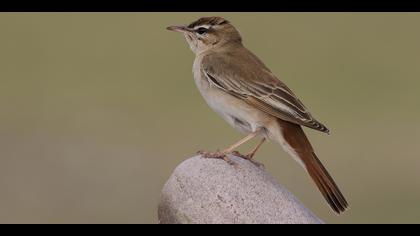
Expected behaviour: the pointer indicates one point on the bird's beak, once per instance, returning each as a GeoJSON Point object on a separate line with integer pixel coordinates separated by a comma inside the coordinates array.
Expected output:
{"type": "Point", "coordinates": [181, 29]}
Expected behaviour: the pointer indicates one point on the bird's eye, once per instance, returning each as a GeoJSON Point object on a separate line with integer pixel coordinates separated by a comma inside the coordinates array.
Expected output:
{"type": "Point", "coordinates": [201, 30]}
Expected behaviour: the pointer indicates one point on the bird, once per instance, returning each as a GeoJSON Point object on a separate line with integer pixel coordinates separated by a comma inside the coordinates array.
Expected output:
{"type": "Point", "coordinates": [238, 86]}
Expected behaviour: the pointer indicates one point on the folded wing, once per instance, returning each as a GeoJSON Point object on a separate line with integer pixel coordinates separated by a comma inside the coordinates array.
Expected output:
{"type": "Point", "coordinates": [252, 82]}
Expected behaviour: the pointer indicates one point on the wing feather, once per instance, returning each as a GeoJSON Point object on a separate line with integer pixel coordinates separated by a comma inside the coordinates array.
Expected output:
{"type": "Point", "coordinates": [260, 89]}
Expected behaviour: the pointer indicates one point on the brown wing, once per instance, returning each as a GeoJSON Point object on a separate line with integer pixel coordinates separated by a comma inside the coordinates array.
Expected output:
{"type": "Point", "coordinates": [245, 77]}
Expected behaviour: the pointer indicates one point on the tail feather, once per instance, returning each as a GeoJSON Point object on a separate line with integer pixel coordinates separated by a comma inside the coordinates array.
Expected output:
{"type": "Point", "coordinates": [326, 184]}
{"type": "Point", "coordinates": [300, 147]}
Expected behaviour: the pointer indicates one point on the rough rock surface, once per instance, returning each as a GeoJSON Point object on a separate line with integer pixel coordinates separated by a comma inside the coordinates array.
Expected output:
{"type": "Point", "coordinates": [210, 191]}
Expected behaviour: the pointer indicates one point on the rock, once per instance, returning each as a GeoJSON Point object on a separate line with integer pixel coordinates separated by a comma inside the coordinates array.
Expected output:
{"type": "Point", "coordinates": [210, 191]}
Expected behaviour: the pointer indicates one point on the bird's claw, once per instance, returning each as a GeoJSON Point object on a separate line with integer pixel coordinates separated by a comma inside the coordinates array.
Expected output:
{"type": "Point", "coordinates": [217, 155]}
{"type": "Point", "coordinates": [248, 157]}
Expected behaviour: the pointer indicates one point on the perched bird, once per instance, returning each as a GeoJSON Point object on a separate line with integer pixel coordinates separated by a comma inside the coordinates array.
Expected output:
{"type": "Point", "coordinates": [244, 92]}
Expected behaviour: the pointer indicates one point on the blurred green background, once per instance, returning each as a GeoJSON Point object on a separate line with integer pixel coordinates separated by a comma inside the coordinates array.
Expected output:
{"type": "Point", "coordinates": [97, 109]}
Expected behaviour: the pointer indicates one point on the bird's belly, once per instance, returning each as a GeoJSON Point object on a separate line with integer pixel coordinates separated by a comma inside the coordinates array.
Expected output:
{"type": "Point", "coordinates": [236, 112]}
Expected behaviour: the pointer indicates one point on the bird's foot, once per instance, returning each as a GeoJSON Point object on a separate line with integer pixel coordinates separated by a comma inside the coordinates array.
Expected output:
{"type": "Point", "coordinates": [248, 157]}
{"type": "Point", "coordinates": [217, 155]}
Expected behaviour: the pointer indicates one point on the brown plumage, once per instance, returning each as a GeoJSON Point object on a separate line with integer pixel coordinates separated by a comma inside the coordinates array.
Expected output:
{"type": "Point", "coordinates": [260, 88]}
{"type": "Point", "coordinates": [245, 93]}
{"type": "Point", "coordinates": [213, 20]}
{"type": "Point", "coordinates": [296, 138]}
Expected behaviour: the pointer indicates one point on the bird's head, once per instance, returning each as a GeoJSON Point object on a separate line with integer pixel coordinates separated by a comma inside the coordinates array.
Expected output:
{"type": "Point", "coordinates": [208, 33]}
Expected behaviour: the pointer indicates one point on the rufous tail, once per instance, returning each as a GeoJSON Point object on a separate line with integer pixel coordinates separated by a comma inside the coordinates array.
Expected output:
{"type": "Point", "coordinates": [325, 183]}
{"type": "Point", "coordinates": [299, 144]}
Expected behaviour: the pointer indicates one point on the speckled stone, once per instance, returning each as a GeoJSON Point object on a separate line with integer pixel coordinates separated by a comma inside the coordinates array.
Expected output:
{"type": "Point", "coordinates": [210, 191]}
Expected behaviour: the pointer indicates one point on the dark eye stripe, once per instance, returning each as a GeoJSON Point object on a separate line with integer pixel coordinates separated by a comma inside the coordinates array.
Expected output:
{"type": "Point", "coordinates": [201, 30]}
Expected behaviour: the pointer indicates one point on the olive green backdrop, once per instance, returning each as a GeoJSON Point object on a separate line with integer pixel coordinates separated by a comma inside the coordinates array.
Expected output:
{"type": "Point", "coordinates": [97, 109]}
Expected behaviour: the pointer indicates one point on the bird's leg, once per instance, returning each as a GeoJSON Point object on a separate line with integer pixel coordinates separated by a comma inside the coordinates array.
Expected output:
{"type": "Point", "coordinates": [223, 154]}
{"type": "Point", "coordinates": [250, 155]}
{"type": "Point", "coordinates": [242, 141]}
